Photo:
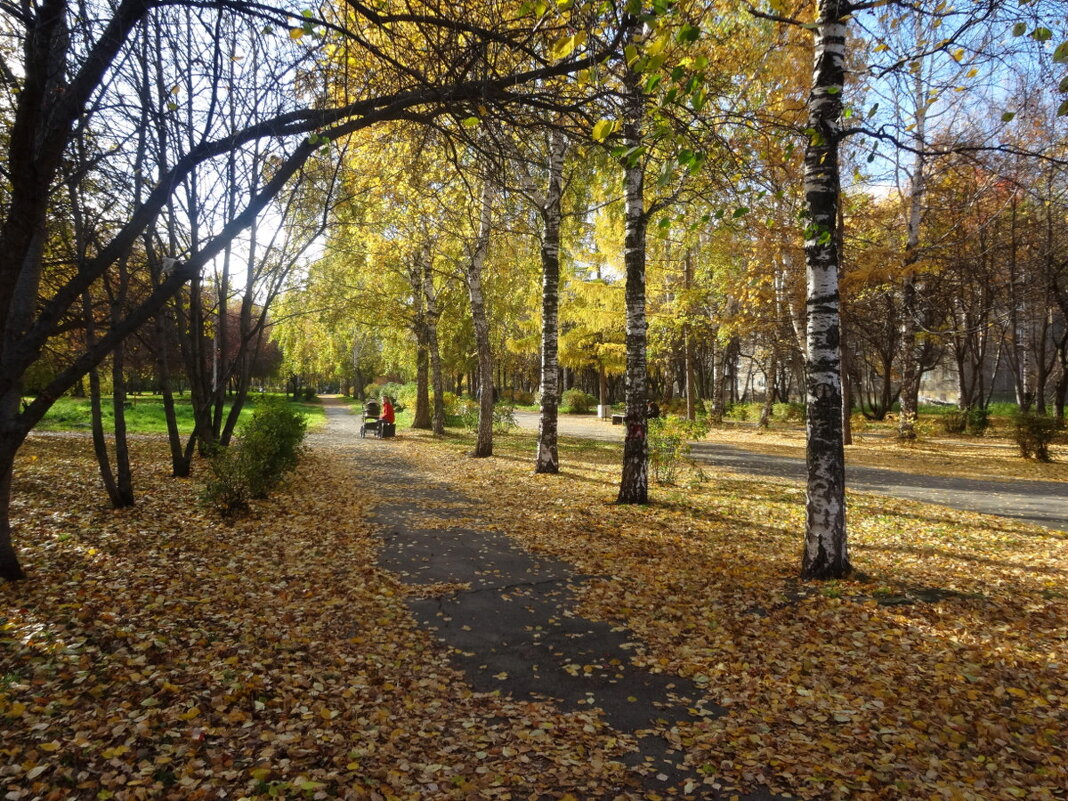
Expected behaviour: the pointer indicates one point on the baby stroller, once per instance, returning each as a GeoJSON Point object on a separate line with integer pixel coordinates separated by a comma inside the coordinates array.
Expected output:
{"type": "Point", "coordinates": [371, 412]}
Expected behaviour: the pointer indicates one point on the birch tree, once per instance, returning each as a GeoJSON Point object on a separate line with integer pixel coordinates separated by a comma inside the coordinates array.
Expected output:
{"type": "Point", "coordinates": [548, 459]}
{"type": "Point", "coordinates": [826, 553]}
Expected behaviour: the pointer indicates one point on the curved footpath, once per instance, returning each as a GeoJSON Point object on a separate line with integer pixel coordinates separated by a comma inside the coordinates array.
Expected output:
{"type": "Point", "coordinates": [1041, 502]}
{"type": "Point", "coordinates": [513, 628]}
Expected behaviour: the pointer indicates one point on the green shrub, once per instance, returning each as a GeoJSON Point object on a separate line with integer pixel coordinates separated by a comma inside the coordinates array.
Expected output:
{"type": "Point", "coordinates": [271, 442]}
{"type": "Point", "coordinates": [451, 404]}
{"type": "Point", "coordinates": [227, 488]}
{"type": "Point", "coordinates": [668, 447]}
{"type": "Point", "coordinates": [267, 447]}
{"type": "Point", "coordinates": [503, 416]}
{"type": "Point", "coordinates": [974, 421]}
{"type": "Point", "coordinates": [977, 421]}
{"type": "Point", "coordinates": [519, 397]}
{"type": "Point", "coordinates": [578, 402]}
{"type": "Point", "coordinates": [788, 412]}
{"type": "Point", "coordinates": [1033, 434]}
{"type": "Point", "coordinates": [743, 411]}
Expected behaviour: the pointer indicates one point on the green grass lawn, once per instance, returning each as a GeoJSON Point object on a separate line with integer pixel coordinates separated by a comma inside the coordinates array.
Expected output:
{"type": "Point", "coordinates": [145, 414]}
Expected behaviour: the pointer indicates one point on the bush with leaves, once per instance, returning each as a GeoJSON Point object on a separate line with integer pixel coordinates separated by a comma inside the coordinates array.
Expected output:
{"type": "Point", "coordinates": [975, 421]}
{"type": "Point", "coordinates": [1034, 433]}
{"type": "Point", "coordinates": [789, 412]}
{"type": "Point", "coordinates": [503, 417]}
{"type": "Point", "coordinates": [579, 402]}
{"type": "Point", "coordinates": [266, 448]}
{"type": "Point", "coordinates": [741, 412]}
{"type": "Point", "coordinates": [227, 488]}
{"type": "Point", "coordinates": [669, 444]}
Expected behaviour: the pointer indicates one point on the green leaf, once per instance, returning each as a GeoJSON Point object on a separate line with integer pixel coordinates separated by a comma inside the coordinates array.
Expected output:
{"type": "Point", "coordinates": [630, 55]}
{"type": "Point", "coordinates": [833, 90]}
{"type": "Point", "coordinates": [688, 34]}
{"type": "Point", "coordinates": [1063, 87]}
{"type": "Point", "coordinates": [872, 110]}
{"type": "Point", "coordinates": [1019, 29]}
{"type": "Point", "coordinates": [741, 211]}
{"type": "Point", "coordinates": [470, 122]}
{"type": "Point", "coordinates": [1062, 110]}
{"type": "Point", "coordinates": [1041, 34]}
{"type": "Point", "coordinates": [1061, 53]}
{"type": "Point", "coordinates": [1008, 116]}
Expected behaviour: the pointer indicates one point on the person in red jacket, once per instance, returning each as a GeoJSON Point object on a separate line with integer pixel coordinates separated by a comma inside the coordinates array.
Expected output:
{"type": "Point", "coordinates": [387, 411]}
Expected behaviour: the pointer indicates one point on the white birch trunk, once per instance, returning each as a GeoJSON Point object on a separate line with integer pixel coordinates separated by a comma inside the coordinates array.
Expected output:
{"type": "Point", "coordinates": [634, 483]}
{"type": "Point", "coordinates": [826, 554]}
{"type": "Point", "coordinates": [548, 459]}
{"type": "Point", "coordinates": [910, 361]}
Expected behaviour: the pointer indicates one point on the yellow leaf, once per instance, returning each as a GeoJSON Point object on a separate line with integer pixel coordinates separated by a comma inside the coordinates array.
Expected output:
{"type": "Point", "coordinates": [189, 714]}
{"type": "Point", "coordinates": [16, 710]}
{"type": "Point", "coordinates": [49, 747]}
{"type": "Point", "coordinates": [296, 33]}
{"type": "Point", "coordinates": [603, 130]}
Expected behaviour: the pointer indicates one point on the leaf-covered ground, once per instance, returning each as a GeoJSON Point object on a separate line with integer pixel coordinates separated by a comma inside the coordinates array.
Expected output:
{"type": "Point", "coordinates": [941, 675]}
{"type": "Point", "coordinates": [157, 653]}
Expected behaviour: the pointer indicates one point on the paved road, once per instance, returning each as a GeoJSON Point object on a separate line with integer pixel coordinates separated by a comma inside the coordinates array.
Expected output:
{"type": "Point", "coordinates": [1041, 502]}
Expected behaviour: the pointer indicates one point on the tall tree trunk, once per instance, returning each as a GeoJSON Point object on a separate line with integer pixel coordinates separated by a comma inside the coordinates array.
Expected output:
{"type": "Point", "coordinates": [719, 362]}
{"type": "Point", "coordinates": [687, 342]}
{"type": "Point", "coordinates": [10, 569]}
{"type": "Point", "coordinates": [548, 459]}
{"type": "Point", "coordinates": [769, 389]}
{"type": "Point", "coordinates": [421, 415]}
{"type": "Point", "coordinates": [634, 483]}
{"type": "Point", "coordinates": [826, 553]}
{"type": "Point", "coordinates": [437, 422]}
{"type": "Point", "coordinates": [96, 412]}
{"type": "Point", "coordinates": [123, 471]}
{"type": "Point", "coordinates": [475, 266]}
{"type": "Point", "coordinates": [911, 368]}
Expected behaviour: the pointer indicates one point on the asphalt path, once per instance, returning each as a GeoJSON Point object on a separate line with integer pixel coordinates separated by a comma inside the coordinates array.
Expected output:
{"type": "Point", "coordinates": [1041, 502]}
{"type": "Point", "coordinates": [510, 620]}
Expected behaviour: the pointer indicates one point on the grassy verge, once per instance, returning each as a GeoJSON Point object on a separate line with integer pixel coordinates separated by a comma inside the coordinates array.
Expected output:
{"type": "Point", "coordinates": [939, 675]}
{"type": "Point", "coordinates": [145, 414]}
